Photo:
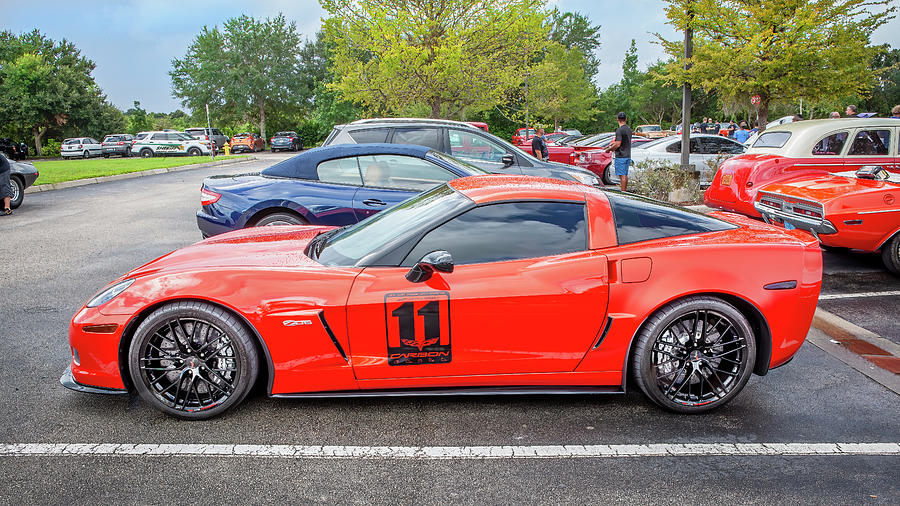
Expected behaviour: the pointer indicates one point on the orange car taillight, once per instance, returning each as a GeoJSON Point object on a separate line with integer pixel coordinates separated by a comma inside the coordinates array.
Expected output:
{"type": "Point", "coordinates": [208, 197]}
{"type": "Point", "coordinates": [771, 203]}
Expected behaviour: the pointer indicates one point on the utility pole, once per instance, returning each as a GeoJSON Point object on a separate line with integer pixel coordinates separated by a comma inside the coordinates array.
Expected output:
{"type": "Point", "coordinates": [686, 97]}
{"type": "Point", "coordinates": [212, 150]}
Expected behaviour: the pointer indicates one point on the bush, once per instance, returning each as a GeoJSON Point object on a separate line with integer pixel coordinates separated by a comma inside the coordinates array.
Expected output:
{"type": "Point", "coordinates": [659, 179]}
{"type": "Point", "coordinates": [50, 148]}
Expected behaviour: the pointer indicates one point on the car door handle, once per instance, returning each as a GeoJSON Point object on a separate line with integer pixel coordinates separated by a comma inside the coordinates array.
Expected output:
{"type": "Point", "coordinates": [374, 202]}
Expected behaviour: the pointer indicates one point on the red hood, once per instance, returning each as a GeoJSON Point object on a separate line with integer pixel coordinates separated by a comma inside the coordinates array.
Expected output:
{"type": "Point", "coordinates": [252, 247]}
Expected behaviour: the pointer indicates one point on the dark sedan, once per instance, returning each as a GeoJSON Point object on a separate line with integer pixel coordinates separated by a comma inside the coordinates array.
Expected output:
{"type": "Point", "coordinates": [334, 185]}
{"type": "Point", "coordinates": [13, 150]}
{"type": "Point", "coordinates": [22, 175]}
{"type": "Point", "coordinates": [286, 141]}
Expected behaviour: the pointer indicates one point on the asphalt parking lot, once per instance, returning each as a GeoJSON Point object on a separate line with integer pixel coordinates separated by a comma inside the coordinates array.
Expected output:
{"type": "Point", "coordinates": [61, 246]}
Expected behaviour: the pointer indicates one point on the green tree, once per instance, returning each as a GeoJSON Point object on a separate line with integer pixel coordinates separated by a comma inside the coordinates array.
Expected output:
{"type": "Point", "coordinates": [781, 50]}
{"type": "Point", "coordinates": [43, 84]}
{"type": "Point", "coordinates": [442, 56]}
{"type": "Point", "coordinates": [137, 119]}
{"type": "Point", "coordinates": [886, 93]}
{"type": "Point", "coordinates": [242, 71]}
{"type": "Point", "coordinates": [558, 89]}
{"type": "Point", "coordinates": [574, 30]}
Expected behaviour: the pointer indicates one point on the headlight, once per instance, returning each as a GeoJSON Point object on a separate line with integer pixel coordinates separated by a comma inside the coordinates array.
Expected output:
{"type": "Point", "coordinates": [588, 179]}
{"type": "Point", "coordinates": [109, 293]}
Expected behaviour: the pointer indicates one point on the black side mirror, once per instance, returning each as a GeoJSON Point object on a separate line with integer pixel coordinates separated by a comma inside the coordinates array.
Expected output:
{"type": "Point", "coordinates": [508, 160]}
{"type": "Point", "coordinates": [424, 268]}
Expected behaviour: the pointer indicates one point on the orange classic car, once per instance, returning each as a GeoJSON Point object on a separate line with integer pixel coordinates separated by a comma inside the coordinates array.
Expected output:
{"type": "Point", "coordinates": [855, 209]}
{"type": "Point", "coordinates": [801, 149]}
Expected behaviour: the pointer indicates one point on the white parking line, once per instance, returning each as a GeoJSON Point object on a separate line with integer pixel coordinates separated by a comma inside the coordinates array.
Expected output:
{"type": "Point", "coordinates": [445, 452]}
{"type": "Point", "coordinates": [854, 295]}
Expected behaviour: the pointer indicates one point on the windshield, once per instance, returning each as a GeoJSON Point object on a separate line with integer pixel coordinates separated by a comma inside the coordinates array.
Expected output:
{"type": "Point", "coordinates": [466, 168]}
{"type": "Point", "coordinates": [348, 246]}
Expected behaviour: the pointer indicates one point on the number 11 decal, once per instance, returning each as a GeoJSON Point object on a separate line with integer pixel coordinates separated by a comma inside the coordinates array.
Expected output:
{"type": "Point", "coordinates": [418, 328]}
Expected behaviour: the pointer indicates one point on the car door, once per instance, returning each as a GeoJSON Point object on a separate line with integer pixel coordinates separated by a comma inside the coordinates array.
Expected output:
{"type": "Point", "coordinates": [870, 146]}
{"type": "Point", "coordinates": [474, 148]}
{"type": "Point", "coordinates": [391, 179]}
{"type": "Point", "coordinates": [525, 296]}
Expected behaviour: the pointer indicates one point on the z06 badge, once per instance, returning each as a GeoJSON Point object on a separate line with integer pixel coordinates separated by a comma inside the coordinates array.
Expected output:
{"type": "Point", "coordinates": [418, 328]}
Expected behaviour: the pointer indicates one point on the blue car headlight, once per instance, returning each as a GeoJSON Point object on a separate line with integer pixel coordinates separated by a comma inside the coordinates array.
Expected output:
{"type": "Point", "coordinates": [110, 293]}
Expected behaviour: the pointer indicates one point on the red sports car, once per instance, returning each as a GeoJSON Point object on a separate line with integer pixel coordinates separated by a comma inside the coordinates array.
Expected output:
{"type": "Point", "coordinates": [485, 284]}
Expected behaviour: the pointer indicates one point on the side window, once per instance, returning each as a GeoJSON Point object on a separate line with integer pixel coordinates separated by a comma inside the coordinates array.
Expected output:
{"type": "Point", "coordinates": [871, 142]}
{"type": "Point", "coordinates": [831, 145]}
{"type": "Point", "coordinates": [369, 135]}
{"type": "Point", "coordinates": [695, 146]}
{"type": "Point", "coordinates": [341, 171]}
{"type": "Point", "coordinates": [402, 172]}
{"type": "Point", "coordinates": [422, 136]}
{"type": "Point", "coordinates": [675, 147]}
{"type": "Point", "coordinates": [469, 145]}
{"type": "Point", "coordinates": [508, 231]}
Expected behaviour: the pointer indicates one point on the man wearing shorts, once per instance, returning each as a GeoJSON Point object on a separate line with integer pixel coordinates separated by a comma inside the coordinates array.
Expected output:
{"type": "Point", "coordinates": [622, 146]}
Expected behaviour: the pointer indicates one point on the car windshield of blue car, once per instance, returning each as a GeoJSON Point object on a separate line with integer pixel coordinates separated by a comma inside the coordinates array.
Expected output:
{"type": "Point", "coordinates": [465, 168]}
{"type": "Point", "coordinates": [348, 246]}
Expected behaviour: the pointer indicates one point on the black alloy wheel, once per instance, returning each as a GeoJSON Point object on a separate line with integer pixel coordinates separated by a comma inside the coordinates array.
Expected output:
{"type": "Point", "coordinates": [194, 152]}
{"type": "Point", "coordinates": [18, 192]}
{"type": "Point", "coordinates": [192, 360]}
{"type": "Point", "coordinates": [277, 219]}
{"type": "Point", "coordinates": [890, 254]}
{"type": "Point", "coordinates": [694, 355]}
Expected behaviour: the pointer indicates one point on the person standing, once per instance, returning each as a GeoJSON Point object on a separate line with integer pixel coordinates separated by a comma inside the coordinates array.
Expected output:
{"type": "Point", "coordinates": [621, 144]}
{"type": "Point", "coordinates": [851, 111]}
{"type": "Point", "coordinates": [539, 146]}
{"type": "Point", "coordinates": [742, 134]}
{"type": "Point", "coordinates": [5, 189]}
{"type": "Point", "coordinates": [895, 112]}
{"type": "Point", "coordinates": [835, 115]}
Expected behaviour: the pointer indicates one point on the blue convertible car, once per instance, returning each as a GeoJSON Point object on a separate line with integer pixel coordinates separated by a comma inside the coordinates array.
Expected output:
{"type": "Point", "coordinates": [335, 185]}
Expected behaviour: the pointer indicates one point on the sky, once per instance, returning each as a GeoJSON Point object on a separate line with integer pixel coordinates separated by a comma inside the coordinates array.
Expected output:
{"type": "Point", "coordinates": [134, 41]}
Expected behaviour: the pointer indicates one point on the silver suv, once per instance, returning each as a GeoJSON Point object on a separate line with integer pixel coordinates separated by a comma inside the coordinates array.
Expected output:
{"type": "Point", "coordinates": [461, 140]}
{"type": "Point", "coordinates": [208, 134]}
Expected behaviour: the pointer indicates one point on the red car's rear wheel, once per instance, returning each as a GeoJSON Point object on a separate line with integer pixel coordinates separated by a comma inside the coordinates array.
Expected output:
{"type": "Point", "coordinates": [694, 354]}
{"type": "Point", "coordinates": [890, 254]}
{"type": "Point", "coordinates": [192, 360]}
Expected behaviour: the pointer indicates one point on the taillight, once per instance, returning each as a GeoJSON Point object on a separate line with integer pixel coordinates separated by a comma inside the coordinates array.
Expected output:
{"type": "Point", "coordinates": [120, 143]}
{"type": "Point", "coordinates": [208, 197]}
{"type": "Point", "coordinates": [80, 146]}
{"type": "Point", "coordinates": [807, 212]}
{"type": "Point", "coordinates": [771, 203]}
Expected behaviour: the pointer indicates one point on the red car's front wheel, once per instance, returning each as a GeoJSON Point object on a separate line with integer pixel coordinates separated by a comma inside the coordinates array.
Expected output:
{"type": "Point", "coordinates": [192, 360]}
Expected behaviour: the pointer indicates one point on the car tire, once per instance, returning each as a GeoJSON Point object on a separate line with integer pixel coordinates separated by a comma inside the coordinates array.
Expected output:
{"type": "Point", "coordinates": [609, 175]}
{"type": "Point", "coordinates": [105, 155]}
{"type": "Point", "coordinates": [127, 153]}
{"type": "Point", "coordinates": [173, 369]}
{"type": "Point", "coordinates": [890, 254]}
{"type": "Point", "coordinates": [86, 154]}
{"type": "Point", "coordinates": [146, 153]}
{"type": "Point", "coordinates": [194, 152]}
{"type": "Point", "coordinates": [18, 192]}
{"type": "Point", "coordinates": [714, 365]}
{"type": "Point", "coordinates": [276, 219]}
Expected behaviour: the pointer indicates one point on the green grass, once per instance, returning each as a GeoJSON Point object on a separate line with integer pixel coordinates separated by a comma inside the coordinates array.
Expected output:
{"type": "Point", "coordinates": [57, 171]}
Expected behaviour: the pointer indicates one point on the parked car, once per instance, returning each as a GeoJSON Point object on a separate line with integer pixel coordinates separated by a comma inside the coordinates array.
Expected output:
{"type": "Point", "coordinates": [650, 131]}
{"type": "Point", "coordinates": [559, 153]}
{"type": "Point", "coordinates": [479, 124]}
{"type": "Point", "coordinates": [460, 140]}
{"type": "Point", "coordinates": [168, 143]}
{"type": "Point", "coordinates": [704, 148]}
{"type": "Point", "coordinates": [117, 144]}
{"type": "Point", "coordinates": [780, 121]}
{"type": "Point", "coordinates": [286, 141]}
{"type": "Point", "coordinates": [80, 147]}
{"type": "Point", "coordinates": [855, 210]}
{"type": "Point", "coordinates": [208, 134]}
{"type": "Point", "coordinates": [336, 185]}
{"type": "Point", "coordinates": [812, 147]}
{"type": "Point", "coordinates": [247, 142]}
{"type": "Point", "coordinates": [21, 176]}
{"type": "Point", "coordinates": [456, 290]}
{"type": "Point", "coordinates": [522, 135]}
{"type": "Point", "coordinates": [13, 150]}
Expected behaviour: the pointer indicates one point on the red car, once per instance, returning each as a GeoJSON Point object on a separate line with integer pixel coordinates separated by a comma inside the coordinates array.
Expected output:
{"type": "Point", "coordinates": [557, 153]}
{"type": "Point", "coordinates": [857, 210]}
{"type": "Point", "coordinates": [485, 284]}
{"type": "Point", "coordinates": [801, 149]}
{"type": "Point", "coordinates": [247, 142]}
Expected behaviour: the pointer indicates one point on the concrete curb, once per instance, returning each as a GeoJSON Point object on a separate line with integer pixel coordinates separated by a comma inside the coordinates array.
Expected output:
{"type": "Point", "coordinates": [852, 339]}
{"type": "Point", "coordinates": [131, 175]}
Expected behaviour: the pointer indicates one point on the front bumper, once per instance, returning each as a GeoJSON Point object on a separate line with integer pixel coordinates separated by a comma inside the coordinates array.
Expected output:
{"type": "Point", "coordinates": [68, 380]}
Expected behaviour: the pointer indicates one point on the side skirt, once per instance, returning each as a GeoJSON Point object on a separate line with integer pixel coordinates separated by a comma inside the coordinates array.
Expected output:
{"type": "Point", "coordinates": [430, 392]}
